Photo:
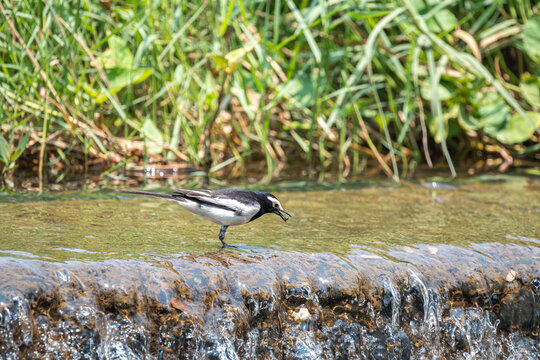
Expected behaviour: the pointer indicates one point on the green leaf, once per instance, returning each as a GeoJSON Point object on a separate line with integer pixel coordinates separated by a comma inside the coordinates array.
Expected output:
{"type": "Point", "coordinates": [530, 89]}
{"type": "Point", "coordinates": [106, 60]}
{"type": "Point", "coordinates": [435, 129]}
{"type": "Point", "coordinates": [220, 61]}
{"type": "Point", "coordinates": [442, 21]}
{"type": "Point", "coordinates": [466, 120]}
{"type": "Point", "coordinates": [367, 14]}
{"type": "Point", "coordinates": [233, 59]}
{"type": "Point", "coordinates": [445, 91]}
{"type": "Point", "coordinates": [150, 131]}
{"type": "Point", "coordinates": [90, 90]}
{"type": "Point", "coordinates": [118, 79]}
{"type": "Point", "coordinates": [381, 121]}
{"type": "Point", "coordinates": [179, 74]}
{"type": "Point", "coordinates": [300, 91]}
{"type": "Point", "coordinates": [423, 5]}
{"type": "Point", "coordinates": [518, 129]}
{"type": "Point", "coordinates": [451, 127]}
{"type": "Point", "coordinates": [20, 148]}
{"type": "Point", "coordinates": [123, 57]}
{"type": "Point", "coordinates": [531, 36]}
{"type": "Point", "coordinates": [488, 112]}
{"type": "Point", "coordinates": [5, 150]}
{"type": "Point", "coordinates": [225, 22]}
{"type": "Point", "coordinates": [297, 125]}
{"type": "Point", "coordinates": [492, 111]}
{"type": "Point", "coordinates": [492, 124]}
{"type": "Point", "coordinates": [117, 55]}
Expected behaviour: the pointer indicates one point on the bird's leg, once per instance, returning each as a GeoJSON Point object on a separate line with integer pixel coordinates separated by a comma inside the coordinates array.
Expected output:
{"type": "Point", "coordinates": [222, 231]}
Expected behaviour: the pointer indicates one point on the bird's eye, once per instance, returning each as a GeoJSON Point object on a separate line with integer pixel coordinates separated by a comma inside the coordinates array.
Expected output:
{"type": "Point", "coordinates": [275, 205]}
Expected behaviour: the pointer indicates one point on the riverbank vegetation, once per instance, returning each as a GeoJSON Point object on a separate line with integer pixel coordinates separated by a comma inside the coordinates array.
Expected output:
{"type": "Point", "coordinates": [237, 88]}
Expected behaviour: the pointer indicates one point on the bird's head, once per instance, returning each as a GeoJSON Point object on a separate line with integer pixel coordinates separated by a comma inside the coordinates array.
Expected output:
{"type": "Point", "coordinates": [272, 205]}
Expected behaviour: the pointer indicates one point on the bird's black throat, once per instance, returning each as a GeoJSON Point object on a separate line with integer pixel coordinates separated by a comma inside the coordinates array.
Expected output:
{"type": "Point", "coordinates": [267, 206]}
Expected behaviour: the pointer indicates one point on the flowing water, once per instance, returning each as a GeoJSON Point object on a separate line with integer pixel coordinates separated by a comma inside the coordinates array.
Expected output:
{"type": "Point", "coordinates": [416, 271]}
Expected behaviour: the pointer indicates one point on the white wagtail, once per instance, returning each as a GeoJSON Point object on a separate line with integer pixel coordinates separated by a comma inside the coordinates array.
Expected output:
{"type": "Point", "coordinates": [225, 207]}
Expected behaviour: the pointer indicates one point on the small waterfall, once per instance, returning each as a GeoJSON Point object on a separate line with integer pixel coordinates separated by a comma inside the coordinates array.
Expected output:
{"type": "Point", "coordinates": [277, 306]}
{"type": "Point", "coordinates": [431, 308]}
{"type": "Point", "coordinates": [394, 303]}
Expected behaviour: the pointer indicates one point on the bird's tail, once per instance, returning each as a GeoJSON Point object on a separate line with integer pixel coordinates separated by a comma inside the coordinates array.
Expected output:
{"type": "Point", "coordinates": [157, 195]}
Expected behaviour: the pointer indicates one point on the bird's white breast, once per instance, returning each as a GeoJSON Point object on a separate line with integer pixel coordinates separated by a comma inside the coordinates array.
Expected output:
{"type": "Point", "coordinates": [242, 213]}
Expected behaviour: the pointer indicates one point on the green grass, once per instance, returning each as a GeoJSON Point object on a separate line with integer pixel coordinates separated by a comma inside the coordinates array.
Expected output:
{"type": "Point", "coordinates": [343, 88]}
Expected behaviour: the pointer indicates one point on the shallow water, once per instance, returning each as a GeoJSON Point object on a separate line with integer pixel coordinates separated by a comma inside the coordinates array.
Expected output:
{"type": "Point", "coordinates": [412, 271]}
{"type": "Point", "coordinates": [377, 219]}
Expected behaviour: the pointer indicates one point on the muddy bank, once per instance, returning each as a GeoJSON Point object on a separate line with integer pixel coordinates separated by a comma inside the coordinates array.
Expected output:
{"type": "Point", "coordinates": [423, 301]}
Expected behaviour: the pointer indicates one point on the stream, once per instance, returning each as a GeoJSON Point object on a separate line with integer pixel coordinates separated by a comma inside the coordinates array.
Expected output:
{"type": "Point", "coordinates": [421, 270]}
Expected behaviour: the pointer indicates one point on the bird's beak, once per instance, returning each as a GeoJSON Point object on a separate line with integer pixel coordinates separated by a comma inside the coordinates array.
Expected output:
{"type": "Point", "coordinates": [280, 212]}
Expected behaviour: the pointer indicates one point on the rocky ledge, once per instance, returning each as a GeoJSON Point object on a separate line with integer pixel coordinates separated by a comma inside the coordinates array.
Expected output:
{"type": "Point", "coordinates": [423, 302]}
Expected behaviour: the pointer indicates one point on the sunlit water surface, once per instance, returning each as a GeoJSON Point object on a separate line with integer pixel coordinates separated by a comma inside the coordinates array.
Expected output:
{"type": "Point", "coordinates": [336, 221]}
{"type": "Point", "coordinates": [409, 271]}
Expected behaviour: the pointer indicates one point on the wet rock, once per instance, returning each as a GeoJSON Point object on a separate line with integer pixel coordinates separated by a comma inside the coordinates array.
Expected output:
{"type": "Point", "coordinates": [188, 341]}
{"type": "Point", "coordinates": [521, 347]}
{"type": "Point", "coordinates": [472, 331]}
{"type": "Point", "coordinates": [453, 337]}
{"type": "Point", "coordinates": [343, 340]}
{"type": "Point", "coordinates": [301, 315]}
{"type": "Point", "coordinates": [261, 307]}
{"type": "Point", "coordinates": [385, 316]}
{"type": "Point", "coordinates": [388, 345]}
{"type": "Point", "coordinates": [536, 286]}
{"type": "Point", "coordinates": [414, 302]}
{"type": "Point", "coordinates": [306, 347]}
{"type": "Point", "coordinates": [218, 349]}
{"type": "Point", "coordinates": [296, 295]}
{"type": "Point", "coordinates": [520, 311]}
{"type": "Point", "coordinates": [511, 275]}
{"type": "Point", "coordinates": [336, 302]}
{"type": "Point", "coordinates": [386, 303]}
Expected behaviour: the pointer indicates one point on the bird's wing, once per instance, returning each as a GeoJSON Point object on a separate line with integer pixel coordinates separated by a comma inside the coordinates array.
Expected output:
{"type": "Point", "coordinates": [217, 199]}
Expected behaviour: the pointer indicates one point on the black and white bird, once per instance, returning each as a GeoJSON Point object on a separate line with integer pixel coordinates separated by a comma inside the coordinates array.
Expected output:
{"type": "Point", "coordinates": [225, 207]}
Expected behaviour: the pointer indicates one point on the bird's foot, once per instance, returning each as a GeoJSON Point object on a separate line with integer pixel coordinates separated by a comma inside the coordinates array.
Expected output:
{"type": "Point", "coordinates": [225, 245]}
